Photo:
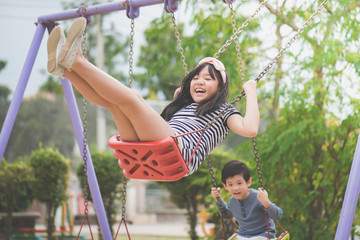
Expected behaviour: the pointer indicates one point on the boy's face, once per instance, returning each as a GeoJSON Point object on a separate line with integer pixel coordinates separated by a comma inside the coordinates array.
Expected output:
{"type": "Point", "coordinates": [238, 187]}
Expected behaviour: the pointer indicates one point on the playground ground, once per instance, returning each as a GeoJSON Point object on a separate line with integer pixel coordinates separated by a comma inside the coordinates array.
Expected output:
{"type": "Point", "coordinates": [148, 231]}
{"type": "Point", "coordinates": [154, 231]}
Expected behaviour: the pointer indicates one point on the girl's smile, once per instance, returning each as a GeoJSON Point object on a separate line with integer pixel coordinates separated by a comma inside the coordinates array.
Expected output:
{"type": "Point", "coordinates": [203, 87]}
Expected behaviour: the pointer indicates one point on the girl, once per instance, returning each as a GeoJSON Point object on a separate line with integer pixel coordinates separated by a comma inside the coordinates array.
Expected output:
{"type": "Point", "coordinates": [201, 97]}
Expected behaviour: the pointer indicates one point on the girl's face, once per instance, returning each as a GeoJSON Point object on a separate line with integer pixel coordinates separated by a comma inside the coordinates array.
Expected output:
{"type": "Point", "coordinates": [203, 87]}
{"type": "Point", "coordinates": [238, 187]}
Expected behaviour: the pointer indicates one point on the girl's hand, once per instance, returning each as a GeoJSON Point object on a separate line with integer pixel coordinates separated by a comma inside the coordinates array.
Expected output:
{"type": "Point", "coordinates": [263, 197]}
{"type": "Point", "coordinates": [216, 193]}
{"type": "Point", "coordinates": [249, 86]}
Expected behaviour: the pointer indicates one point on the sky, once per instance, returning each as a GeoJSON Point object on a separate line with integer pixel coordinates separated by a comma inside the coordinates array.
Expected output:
{"type": "Point", "coordinates": [17, 24]}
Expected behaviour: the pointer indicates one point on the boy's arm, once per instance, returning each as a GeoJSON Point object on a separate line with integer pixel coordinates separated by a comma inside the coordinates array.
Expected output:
{"type": "Point", "coordinates": [274, 211]}
{"type": "Point", "coordinates": [220, 203]}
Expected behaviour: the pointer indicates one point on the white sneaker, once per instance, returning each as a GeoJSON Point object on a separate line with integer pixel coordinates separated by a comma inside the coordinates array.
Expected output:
{"type": "Point", "coordinates": [55, 42]}
{"type": "Point", "coordinates": [68, 52]}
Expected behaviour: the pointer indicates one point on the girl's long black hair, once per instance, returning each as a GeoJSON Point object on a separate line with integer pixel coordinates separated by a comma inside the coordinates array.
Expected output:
{"type": "Point", "coordinates": [184, 98]}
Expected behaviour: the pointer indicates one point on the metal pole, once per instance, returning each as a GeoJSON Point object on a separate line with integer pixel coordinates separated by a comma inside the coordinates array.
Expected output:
{"type": "Point", "coordinates": [93, 184]}
{"type": "Point", "coordinates": [97, 9]}
{"type": "Point", "coordinates": [351, 198]}
{"type": "Point", "coordinates": [20, 89]}
{"type": "Point", "coordinates": [24, 77]}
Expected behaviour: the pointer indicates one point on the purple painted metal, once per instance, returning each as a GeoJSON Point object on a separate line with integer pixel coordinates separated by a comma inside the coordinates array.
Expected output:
{"type": "Point", "coordinates": [131, 11]}
{"type": "Point", "coordinates": [24, 78]}
{"type": "Point", "coordinates": [229, 1]}
{"type": "Point", "coordinates": [96, 9]}
{"type": "Point", "coordinates": [20, 89]}
{"type": "Point", "coordinates": [351, 198]}
{"type": "Point", "coordinates": [93, 184]}
{"type": "Point", "coordinates": [171, 5]}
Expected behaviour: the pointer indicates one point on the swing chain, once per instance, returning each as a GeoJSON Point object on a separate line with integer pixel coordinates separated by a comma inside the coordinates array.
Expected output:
{"type": "Point", "coordinates": [86, 185]}
{"type": "Point", "coordinates": [211, 169]}
{"type": "Point", "coordinates": [237, 46]}
{"type": "Point", "coordinates": [257, 159]}
{"type": "Point", "coordinates": [288, 44]}
{"type": "Point", "coordinates": [282, 51]}
{"type": "Point", "coordinates": [239, 30]}
{"type": "Point", "coordinates": [258, 166]}
{"type": "Point", "coordinates": [84, 49]}
{"type": "Point", "coordinates": [178, 41]}
{"type": "Point", "coordinates": [131, 52]}
{"type": "Point", "coordinates": [123, 208]}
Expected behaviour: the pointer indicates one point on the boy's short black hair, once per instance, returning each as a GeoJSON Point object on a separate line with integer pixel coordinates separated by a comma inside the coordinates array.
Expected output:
{"type": "Point", "coordinates": [235, 167]}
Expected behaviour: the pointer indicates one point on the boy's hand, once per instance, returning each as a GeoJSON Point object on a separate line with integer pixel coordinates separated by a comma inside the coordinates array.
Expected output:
{"type": "Point", "coordinates": [263, 197]}
{"type": "Point", "coordinates": [216, 193]}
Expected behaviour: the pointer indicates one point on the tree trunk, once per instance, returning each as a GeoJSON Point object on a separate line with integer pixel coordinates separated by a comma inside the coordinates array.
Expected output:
{"type": "Point", "coordinates": [192, 218]}
{"type": "Point", "coordinates": [50, 222]}
{"type": "Point", "coordinates": [8, 225]}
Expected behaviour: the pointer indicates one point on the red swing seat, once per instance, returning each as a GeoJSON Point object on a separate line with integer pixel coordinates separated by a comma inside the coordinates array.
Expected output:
{"type": "Point", "coordinates": [158, 161]}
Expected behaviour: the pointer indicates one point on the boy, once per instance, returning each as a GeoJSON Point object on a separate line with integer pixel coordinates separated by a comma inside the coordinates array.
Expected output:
{"type": "Point", "coordinates": [247, 205]}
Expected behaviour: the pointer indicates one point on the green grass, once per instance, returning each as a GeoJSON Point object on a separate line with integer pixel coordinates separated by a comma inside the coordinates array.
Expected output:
{"type": "Point", "coordinates": [139, 237]}
{"type": "Point", "coordinates": [152, 238]}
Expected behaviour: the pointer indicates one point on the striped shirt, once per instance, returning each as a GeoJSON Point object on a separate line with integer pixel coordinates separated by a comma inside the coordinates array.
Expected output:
{"type": "Point", "coordinates": [185, 121]}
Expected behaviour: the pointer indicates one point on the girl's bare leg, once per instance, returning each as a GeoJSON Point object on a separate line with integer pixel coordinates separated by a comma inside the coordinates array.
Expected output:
{"type": "Point", "coordinates": [125, 128]}
{"type": "Point", "coordinates": [147, 123]}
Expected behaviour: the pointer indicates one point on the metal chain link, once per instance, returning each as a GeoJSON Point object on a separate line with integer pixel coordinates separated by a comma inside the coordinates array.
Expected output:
{"type": "Point", "coordinates": [237, 46]}
{"type": "Point", "coordinates": [86, 184]}
{"type": "Point", "coordinates": [124, 190]}
{"type": "Point", "coordinates": [131, 61]}
{"type": "Point", "coordinates": [239, 30]}
{"type": "Point", "coordinates": [257, 159]}
{"type": "Point", "coordinates": [238, 98]}
{"type": "Point", "coordinates": [258, 166]}
{"type": "Point", "coordinates": [131, 52]}
{"type": "Point", "coordinates": [84, 48]}
{"type": "Point", "coordinates": [211, 169]}
{"type": "Point", "coordinates": [178, 41]}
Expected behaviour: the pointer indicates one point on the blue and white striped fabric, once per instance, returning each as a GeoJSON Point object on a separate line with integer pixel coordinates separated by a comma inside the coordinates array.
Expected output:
{"type": "Point", "coordinates": [185, 121]}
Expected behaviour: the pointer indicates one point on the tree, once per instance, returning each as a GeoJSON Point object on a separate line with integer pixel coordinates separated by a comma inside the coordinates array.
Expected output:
{"type": "Point", "coordinates": [41, 119]}
{"type": "Point", "coordinates": [52, 85]}
{"type": "Point", "coordinates": [109, 177]}
{"type": "Point", "coordinates": [51, 171]}
{"type": "Point", "coordinates": [4, 94]}
{"type": "Point", "coordinates": [308, 146]}
{"type": "Point", "coordinates": [2, 64]}
{"type": "Point", "coordinates": [15, 191]}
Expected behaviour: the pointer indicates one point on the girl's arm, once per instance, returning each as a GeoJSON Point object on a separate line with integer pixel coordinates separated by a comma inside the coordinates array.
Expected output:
{"type": "Point", "coordinates": [248, 125]}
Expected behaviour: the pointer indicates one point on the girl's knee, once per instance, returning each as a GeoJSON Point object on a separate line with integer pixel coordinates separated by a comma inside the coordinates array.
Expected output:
{"type": "Point", "coordinates": [133, 99]}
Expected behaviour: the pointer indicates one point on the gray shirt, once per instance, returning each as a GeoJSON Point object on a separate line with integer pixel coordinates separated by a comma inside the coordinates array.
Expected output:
{"type": "Point", "coordinates": [251, 215]}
